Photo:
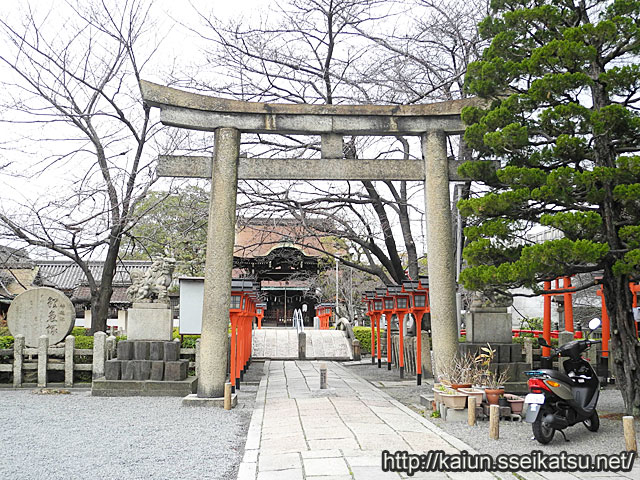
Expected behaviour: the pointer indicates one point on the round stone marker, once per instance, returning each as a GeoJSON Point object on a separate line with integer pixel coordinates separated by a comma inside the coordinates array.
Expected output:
{"type": "Point", "coordinates": [41, 311]}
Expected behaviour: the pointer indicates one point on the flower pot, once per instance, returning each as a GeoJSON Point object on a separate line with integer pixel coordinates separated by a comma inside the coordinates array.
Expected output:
{"type": "Point", "coordinates": [503, 402]}
{"type": "Point", "coordinates": [515, 402]}
{"type": "Point", "coordinates": [436, 395]}
{"type": "Point", "coordinates": [458, 386]}
{"type": "Point", "coordinates": [473, 392]}
{"type": "Point", "coordinates": [493, 394]}
{"type": "Point", "coordinates": [455, 401]}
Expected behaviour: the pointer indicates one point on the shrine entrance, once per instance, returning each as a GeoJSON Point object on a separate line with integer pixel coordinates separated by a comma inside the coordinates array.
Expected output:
{"type": "Point", "coordinates": [228, 119]}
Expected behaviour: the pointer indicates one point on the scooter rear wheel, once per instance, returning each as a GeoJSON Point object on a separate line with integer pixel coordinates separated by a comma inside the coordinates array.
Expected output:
{"type": "Point", "coordinates": [593, 422]}
{"type": "Point", "coordinates": [542, 432]}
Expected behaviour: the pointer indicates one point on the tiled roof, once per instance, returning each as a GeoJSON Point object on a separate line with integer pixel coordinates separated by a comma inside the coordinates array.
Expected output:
{"type": "Point", "coordinates": [66, 275]}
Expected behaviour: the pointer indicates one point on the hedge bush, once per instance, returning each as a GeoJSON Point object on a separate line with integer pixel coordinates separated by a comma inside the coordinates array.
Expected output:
{"type": "Point", "coordinates": [363, 334]}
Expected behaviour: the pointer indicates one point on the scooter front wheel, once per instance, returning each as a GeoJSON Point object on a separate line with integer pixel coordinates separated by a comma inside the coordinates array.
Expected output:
{"type": "Point", "coordinates": [542, 432]}
{"type": "Point", "coordinates": [593, 422]}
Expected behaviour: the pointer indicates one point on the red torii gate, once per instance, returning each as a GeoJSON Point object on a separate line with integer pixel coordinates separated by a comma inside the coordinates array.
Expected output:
{"type": "Point", "coordinates": [412, 297]}
{"type": "Point", "coordinates": [241, 311]}
{"type": "Point", "coordinates": [568, 312]}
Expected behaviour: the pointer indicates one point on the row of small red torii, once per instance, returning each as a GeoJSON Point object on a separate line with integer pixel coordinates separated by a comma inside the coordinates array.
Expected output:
{"type": "Point", "coordinates": [412, 297]}
{"type": "Point", "coordinates": [568, 312]}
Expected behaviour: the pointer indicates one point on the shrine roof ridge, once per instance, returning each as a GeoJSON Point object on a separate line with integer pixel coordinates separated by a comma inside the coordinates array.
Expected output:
{"type": "Point", "coordinates": [156, 95]}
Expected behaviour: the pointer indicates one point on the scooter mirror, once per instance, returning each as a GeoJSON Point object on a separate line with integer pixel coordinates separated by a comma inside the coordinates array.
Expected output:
{"type": "Point", "coordinates": [542, 342]}
{"type": "Point", "coordinates": [594, 323]}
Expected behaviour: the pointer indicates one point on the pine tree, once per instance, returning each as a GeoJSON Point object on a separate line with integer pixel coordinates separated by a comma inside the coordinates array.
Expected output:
{"type": "Point", "coordinates": [563, 88]}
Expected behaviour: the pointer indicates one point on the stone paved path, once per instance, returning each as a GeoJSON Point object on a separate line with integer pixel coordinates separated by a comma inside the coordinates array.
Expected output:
{"type": "Point", "coordinates": [299, 432]}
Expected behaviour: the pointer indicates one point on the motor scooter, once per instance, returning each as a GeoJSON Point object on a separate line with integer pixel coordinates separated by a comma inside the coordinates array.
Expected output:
{"type": "Point", "coordinates": [559, 400]}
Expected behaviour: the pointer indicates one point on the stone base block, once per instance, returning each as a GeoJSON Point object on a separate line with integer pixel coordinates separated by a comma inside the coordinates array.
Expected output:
{"type": "Point", "coordinates": [156, 351]}
{"type": "Point", "coordinates": [171, 351]}
{"type": "Point", "coordinates": [127, 370]}
{"type": "Point", "coordinates": [157, 370]}
{"type": "Point", "coordinates": [141, 350]}
{"type": "Point", "coordinates": [174, 371]}
{"type": "Point", "coordinates": [142, 369]}
{"type": "Point", "coordinates": [451, 415]}
{"type": "Point", "coordinates": [112, 369]}
{"type": "Point", "coordinates": [102, 387]}
{"type": "Point", "coordinates": [426, 401]}
{"type": "Point", "coordinates": [125, 350]}
{"type": "Point", "coordinates": [150, 321]}
{"type": "Point", "coordinates": [193, 400]}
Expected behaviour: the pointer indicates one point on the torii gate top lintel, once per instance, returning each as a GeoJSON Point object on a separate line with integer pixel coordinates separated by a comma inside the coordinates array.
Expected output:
{"type": "Point", "coordinates": [202, 112]}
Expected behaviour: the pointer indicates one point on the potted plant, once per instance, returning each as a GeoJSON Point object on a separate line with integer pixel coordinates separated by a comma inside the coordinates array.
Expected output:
{"type": "Point", "coordinates": [492, 381]}
{"type": "Point", "coordinates": [515, 402]}
{"type": "Point", "coordinates": [495, 386]}
{"type": "Point", "coordinates": [459, 372]}
{"type": "Point", "coordinates": [473, 392]}
{"type": "Point", "coordinates": [454, 399]}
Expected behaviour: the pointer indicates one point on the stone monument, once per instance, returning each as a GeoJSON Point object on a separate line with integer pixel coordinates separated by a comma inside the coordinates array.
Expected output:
{"type": "Point", "coordinates": [150, 316]}
{"type": "Point", "coordinates": [41, 311]}
{"type": "Point", "coordinates": [489, 322]}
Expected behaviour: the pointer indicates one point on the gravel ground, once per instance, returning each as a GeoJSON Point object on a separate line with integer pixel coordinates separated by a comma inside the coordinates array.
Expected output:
{"type": "Point", "coordinates": [515, 437]}
{"type": "Point", "coordinates": [77, 436]}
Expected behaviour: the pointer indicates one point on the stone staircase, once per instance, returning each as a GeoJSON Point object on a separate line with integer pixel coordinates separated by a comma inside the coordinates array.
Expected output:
{"type": "Point", "coordinates": [282, 344]}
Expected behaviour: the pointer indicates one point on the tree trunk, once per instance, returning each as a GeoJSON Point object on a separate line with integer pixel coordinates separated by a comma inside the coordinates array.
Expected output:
{"type": "Point", "coordinates": [101, 300]}
{"type": "Point", "coordinates": [623, 345]}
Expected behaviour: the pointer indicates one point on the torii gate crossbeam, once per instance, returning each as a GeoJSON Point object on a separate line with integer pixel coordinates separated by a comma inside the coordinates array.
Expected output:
{"type": "Point", "coordinates": [229, 118]}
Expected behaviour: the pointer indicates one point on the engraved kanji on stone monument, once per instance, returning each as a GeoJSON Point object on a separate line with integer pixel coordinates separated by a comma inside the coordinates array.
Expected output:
{"type": "Point", "coordinates": [41, 311]}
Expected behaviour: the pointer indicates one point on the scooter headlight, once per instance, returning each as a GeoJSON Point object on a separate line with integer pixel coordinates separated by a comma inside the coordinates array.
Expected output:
{"type": "Point", "coordinates": [553, 383]}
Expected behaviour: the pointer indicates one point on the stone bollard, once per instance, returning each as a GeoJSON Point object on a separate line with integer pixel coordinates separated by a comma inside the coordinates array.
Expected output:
{"type": "Point", "coordinates": [111, 347]}
{"type": "Point", "coordinates": [471, 405]}
{"type": "Point", "coordinates": [227, 396]}
{"type": "Point", "coordinates": [630, 434]}
{"type": "Point", "coordinates": [99, 354]}
{"type": "Point", "coordinates": [425, 353]}
{"type": "Point", "coordinates": [356, 349]}
{"type": "Point", "coordinates": [494, 422]}
{"type": "Point", "coordinates": [197, 357]}
{"type": "Point", "coordinates": [528, 350]}
{"type": "Point", "coordinates": [302, 346]}
{"type": "Point", "coordinates": [18, 351]}
{"type": "Point", "coordinates": [323, 376]}
{"type": "Point", "coordinates": [43, 347]}
{"type": "Point", "coordinates": [69, 346]}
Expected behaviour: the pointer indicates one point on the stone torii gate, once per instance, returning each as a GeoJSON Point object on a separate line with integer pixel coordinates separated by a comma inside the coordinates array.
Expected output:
{"type": "Point", "coordinates": [229, 118]}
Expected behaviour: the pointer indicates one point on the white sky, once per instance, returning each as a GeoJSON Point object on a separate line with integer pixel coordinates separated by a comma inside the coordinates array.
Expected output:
{"type": "Point", "coordinates": [179, 49]}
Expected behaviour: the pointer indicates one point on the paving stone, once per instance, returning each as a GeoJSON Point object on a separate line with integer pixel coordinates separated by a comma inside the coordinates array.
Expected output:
{"type": "Point", "coordinates": [247, 471]}
{"type": "Point", "coordinates": [322, 454]}
{"type": "Point", "coordinates": [157, 369]}
{"type": "Point", "coordinates": [282, 461]}
{"type": "Point", "coordinates": [141, 350]}
{"type": "Point", "coordinates": [293, 474]}
{"type": "Point", "coordinates": [372, 473]}
{"type": "Point", "coordinates": [125, 350]}
{"type": "Point", "coordinates": [325, 466]}
{"type": "Point", "coordinates": [112, 369]}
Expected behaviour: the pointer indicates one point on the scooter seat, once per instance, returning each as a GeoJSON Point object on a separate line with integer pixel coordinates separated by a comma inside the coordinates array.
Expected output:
{"type": "Point", "coordinates": [556, 375]}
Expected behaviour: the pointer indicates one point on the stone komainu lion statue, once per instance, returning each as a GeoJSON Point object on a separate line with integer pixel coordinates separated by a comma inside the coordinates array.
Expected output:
{"type": "Point", "coordinates": [151, 286]}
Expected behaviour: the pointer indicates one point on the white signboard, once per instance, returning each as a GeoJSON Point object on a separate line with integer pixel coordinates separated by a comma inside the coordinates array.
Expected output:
{"type": "Point", "coordinates": [191, 300]}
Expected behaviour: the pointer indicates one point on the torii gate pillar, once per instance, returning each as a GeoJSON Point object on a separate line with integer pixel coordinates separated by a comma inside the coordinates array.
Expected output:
{"type": "Point", "coordinates": [440, 256]}
{"type": "Point", "coordinates": [219, 263]}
